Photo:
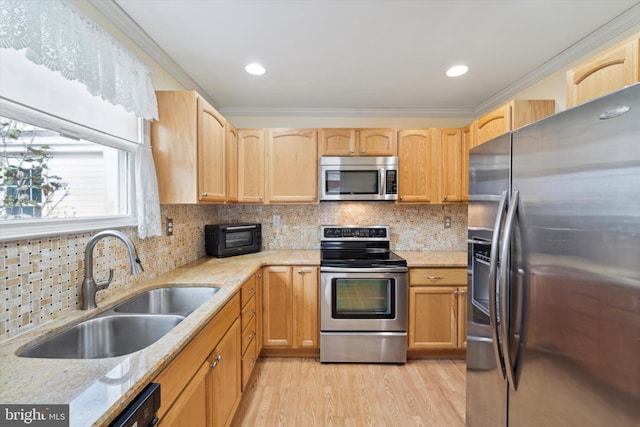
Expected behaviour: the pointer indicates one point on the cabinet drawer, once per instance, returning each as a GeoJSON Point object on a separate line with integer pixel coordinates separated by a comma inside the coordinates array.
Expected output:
{"type": "Point", "coordinates": [437, 276]}
{"type": "Point", "coordinates": [248, 363]}
{"type": "Point", "coordinates": [248, 313]}
{"type": "Point", "coordinates": [249, 335]}
{"type": "Point", "coordinates": [248, 290]}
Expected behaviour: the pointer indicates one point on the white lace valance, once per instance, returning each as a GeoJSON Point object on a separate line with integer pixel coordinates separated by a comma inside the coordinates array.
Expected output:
{"type": "Point", "coordinates": [61, 38]}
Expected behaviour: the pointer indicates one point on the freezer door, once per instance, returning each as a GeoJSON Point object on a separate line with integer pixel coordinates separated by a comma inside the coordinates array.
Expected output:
{"type": "Point", "coordinates": [578, 178]}
{"type": "Point", "coordinates": [489, 170]}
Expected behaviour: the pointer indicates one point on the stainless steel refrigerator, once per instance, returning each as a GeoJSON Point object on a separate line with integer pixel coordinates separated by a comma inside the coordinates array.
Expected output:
{"type": "Point", "coordinates": [554, 238]}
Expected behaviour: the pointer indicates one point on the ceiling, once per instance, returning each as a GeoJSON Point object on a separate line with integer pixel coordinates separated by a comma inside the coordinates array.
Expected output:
{"type": "Point", "coordinates": [384, 57]}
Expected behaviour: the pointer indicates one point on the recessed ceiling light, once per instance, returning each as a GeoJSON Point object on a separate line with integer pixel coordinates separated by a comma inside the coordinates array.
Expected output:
{"type": "Point", "coordinates": [255, 69]}
{"type": "Point", "coordinates": [457, 70]}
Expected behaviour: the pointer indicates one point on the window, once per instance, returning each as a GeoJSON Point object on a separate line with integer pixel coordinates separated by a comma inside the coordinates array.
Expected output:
{"type": "Point", "coordinates": [71, 171]}
{"type": "Point", "coordinates": [72, 100]}
{"type": "Point", "coordinates": [45, 175]}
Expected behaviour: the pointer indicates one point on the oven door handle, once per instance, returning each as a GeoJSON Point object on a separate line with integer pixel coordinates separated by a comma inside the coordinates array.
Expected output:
{"type": "Point", "coordinates": [493, 265]}
{"type": "Point", "coordinates": [363, 270]}
{"type": "Point", "coordinates": [241, 227]}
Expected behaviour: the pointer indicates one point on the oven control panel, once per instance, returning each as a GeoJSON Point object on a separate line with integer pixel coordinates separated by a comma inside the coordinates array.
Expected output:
{"type": "Point", "coordinates": [354, 232]}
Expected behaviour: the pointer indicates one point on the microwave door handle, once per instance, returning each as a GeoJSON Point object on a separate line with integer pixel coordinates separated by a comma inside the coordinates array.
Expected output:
{"type": "Point", "coordinates": [383, 182]}
{"type": "Point", "coordinates": [241, 227]}
{"type": "Point", "coordinates": [493, 311]}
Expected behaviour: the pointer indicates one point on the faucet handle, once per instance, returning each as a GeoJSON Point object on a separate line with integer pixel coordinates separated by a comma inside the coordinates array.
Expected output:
{"type": "Point", "coordinates": [103, 285]}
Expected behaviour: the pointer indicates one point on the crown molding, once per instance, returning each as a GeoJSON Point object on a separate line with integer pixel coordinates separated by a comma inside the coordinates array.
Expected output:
{"type": "Point", "coordinates": [611, 29]}
{"type": "Point", "coordinates": [347, 112]}
{"type": "Point", "coordinates": [118, 17]}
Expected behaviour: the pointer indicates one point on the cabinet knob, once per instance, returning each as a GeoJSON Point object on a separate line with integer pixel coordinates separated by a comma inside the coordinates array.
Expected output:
{"type": "Point", "coordinates": [313, 197]}
{"type": "Point", "coordinates": [204, 194]}
{"type": "Point", "coordinates": [251, 291]}
{"type": "Point", "coordinates": [214, 364]}
{"type": "Point", "coordinates": [455, 292]}
{"type": "Point", "coordinates": [352, 151]}
{"type": "Point", "coordinates": [261, 198]}
{"type": "Point", "coordinates": [401, 197]}
{"type": "Point", "coordinates": [462, 292]}
{"type": "Point", "coordinates": [252, 313]}
{"type": "Point", "coordinates": [219, 358]}
{"type": "Point", "coordinates": [446, 197]}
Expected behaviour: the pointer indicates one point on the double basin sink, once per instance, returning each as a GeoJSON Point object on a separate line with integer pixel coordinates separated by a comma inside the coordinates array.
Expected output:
{"type": "Point", "coordinates": [126, 328]}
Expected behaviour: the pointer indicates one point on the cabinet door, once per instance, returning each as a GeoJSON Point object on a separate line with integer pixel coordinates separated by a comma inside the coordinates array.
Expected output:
{"type": "Point", "coordinates": [174, 145]}
{"type": "Point", "coordinates": [225, 377]}
{"type": "Point", "coordinates": [462, 317]}
{"type": "Point", "coordinates": [277, 306]}
{"type": "Point", "coordinates": [337, 142]}
{"type": "Point", "coordinates": [611, 70]}
{"type": "Point", "coordinates": [190, 408]}
{"type": "Point", "coordinates": [433, 320]}
{"type": "Point", "coordinates": [259, 316]}
{"type": "Point", "coordinates": [415, 152]}
{"type": "Point", "coordinates": [292, 166]}
{"type": "Point", "coordinates": [251, 165]}
{"type": "Point", "coordinates": [377, 142]}
{"type": "Point", "coordinates": [450, 165]}
{"type": "Point", "coordinates": [468, 141]}
{"type": "Point", "coordinates": [305, 294]}
{"type": "Point", "coordinates": [212, 185]}
{"type": "Point", "coordinates": [231, 141]}
{"type": "Point", "coordinates": [493, 124]}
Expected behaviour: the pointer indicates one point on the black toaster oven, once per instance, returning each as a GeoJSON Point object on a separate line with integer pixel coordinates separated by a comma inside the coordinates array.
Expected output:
{"type": "Point", "coordinates": [224, 240]}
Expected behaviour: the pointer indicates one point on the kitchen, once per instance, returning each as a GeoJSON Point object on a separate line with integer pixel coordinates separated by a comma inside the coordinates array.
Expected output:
{"type": "Point", "coordinates": [415, 227]}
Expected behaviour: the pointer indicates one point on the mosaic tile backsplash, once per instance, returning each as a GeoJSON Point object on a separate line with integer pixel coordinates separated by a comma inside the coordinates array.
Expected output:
{"type": "Point", "coordinates": [413, 227]}
{"type": "Point", "coordinates": [40, 278]}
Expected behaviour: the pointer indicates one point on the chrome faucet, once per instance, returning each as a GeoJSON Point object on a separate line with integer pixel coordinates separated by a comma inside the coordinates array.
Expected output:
{"type": "Point", "coordinates": [89, 286]}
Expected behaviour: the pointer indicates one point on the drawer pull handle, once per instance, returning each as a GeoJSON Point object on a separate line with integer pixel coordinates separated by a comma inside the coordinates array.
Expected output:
{"type": "Point", "coordinates": [434, 277]}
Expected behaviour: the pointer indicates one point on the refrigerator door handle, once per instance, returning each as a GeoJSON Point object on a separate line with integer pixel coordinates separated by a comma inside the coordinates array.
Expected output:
{"type": "Point", "coordinates": [504, 269]}
{"type": "Point", "coordinates": [493, 310]}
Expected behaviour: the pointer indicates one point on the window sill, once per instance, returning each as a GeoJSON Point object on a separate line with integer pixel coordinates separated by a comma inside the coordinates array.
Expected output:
{"type": "Point", "coordinates": [29, 229]}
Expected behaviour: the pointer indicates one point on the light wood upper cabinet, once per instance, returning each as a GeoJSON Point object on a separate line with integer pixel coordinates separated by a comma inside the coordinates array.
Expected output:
{"type": "Point", "coordinates": [511, 116]}
{"type": "Point", "coordinates": [450, 149]}
{"type": "Point", "coordinates": [251, 159]}
{"type": "Point", "coordinates": [231, 140]}
{"type": "Point", "coordinates": [468, 134]}
{"type": "Point", "coordinates": [612, 69]}
{"type": "Point", "coordinates": [377, 142]}
{"type": "Point", "coordinates": [357, 142]}
{"type": "Point", "coordinates": [337, 142]}
{"type": "Point", "coordinates": [188, 143]}
{"type": "Point", "coordinates": [415, 153]}
{"type": "Point", "coordinates": [292, 166]}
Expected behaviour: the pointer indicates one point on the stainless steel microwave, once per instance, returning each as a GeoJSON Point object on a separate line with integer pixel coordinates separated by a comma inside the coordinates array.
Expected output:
{"type": "Point", "coordinates": [224, 240]}
{"type": "Point", "coordinates": [358, 178]}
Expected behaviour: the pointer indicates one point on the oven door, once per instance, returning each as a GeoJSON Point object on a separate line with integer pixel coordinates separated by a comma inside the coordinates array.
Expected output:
{"type": "Point", "coordinates": [363, 299]}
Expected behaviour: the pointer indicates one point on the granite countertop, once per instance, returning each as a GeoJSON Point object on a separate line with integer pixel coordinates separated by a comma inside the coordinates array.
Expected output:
{"type": "Point", "coordinates": [96, 390]}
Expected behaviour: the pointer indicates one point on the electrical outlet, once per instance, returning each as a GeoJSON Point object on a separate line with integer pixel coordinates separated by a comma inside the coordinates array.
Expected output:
{"type": "Point", "coordinates": [276, 220]}
{"type": "Point", "coordinates": [169, 227]}
{"type": "Point", "coordinates": [447, 222]}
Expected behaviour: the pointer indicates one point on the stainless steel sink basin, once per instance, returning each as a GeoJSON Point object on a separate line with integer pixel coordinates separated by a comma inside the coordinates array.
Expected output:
{"type": "Point", "coordinates": [175, 299]}
{"type": "Point", "coordinates": [105, 336]}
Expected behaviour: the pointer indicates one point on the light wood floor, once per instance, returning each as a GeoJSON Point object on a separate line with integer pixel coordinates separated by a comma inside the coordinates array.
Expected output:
{"type": "Point", "coordinates": [304, 393]}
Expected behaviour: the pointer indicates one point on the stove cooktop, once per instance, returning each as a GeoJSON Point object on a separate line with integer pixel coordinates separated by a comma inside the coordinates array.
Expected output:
{"type": "Point", "coordinates": [357, 247]}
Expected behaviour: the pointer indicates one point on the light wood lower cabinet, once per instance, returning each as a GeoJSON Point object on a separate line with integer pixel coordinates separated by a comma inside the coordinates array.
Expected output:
{"type": "Point", "coordinates": [290, 307]}
{"type": "Point", "coordinates": [224, 378]}
{"type": "Point", "coordinates": [251, 323]}
{"type": "Point", "coordinates": [202, 385]}
{"type": "Point", "coordinates": [437, 308]}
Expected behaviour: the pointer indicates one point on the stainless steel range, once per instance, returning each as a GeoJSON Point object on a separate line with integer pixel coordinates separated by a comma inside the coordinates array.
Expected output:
{"type": "Point", "coordinates": [363, 296]}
